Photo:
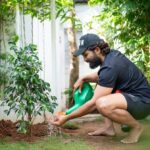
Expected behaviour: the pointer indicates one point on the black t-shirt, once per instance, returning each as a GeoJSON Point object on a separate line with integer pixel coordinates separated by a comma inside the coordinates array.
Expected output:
{"type": "Point", "coordinates": [119, 73]}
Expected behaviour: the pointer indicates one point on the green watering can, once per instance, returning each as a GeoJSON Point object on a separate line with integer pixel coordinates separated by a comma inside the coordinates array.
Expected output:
{"type": "Point", "coordinates": [81, 97]}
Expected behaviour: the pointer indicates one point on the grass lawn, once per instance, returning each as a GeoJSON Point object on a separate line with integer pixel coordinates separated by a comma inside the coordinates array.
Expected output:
{"type": "Point", "coordinates": [50, 143]}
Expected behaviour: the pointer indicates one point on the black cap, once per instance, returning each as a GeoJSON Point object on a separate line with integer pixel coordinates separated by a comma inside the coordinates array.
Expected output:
{"type": "Point", "coordinates": [87, 41]}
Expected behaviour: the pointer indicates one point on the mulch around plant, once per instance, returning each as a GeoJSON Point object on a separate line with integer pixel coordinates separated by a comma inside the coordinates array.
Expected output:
{"type": "Point", "coordinates": [41, 130]}
{"type": "Point", "coordinates": [9, 129]}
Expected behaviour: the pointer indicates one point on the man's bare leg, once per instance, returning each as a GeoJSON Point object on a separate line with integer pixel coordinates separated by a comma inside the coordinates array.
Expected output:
{"type": "Point", "coordinates": [106, 129]}
{"type": "Point", "coordinates": [114, 107]}
{"type": "Point", "coordinates": [136, 130]}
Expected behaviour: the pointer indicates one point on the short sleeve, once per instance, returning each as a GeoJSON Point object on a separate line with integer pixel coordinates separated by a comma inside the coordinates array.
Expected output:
{"type": "Point", "coordinates": [107, 77]}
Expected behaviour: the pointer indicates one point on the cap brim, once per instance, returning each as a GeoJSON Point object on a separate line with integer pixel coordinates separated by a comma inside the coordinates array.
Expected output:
{"type": "Point", "coordinates": [79, 52]}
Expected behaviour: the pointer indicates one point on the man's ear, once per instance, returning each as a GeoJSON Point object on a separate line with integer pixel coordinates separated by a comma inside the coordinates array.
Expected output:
{"type": "Point", "coordinates": [97, 50]}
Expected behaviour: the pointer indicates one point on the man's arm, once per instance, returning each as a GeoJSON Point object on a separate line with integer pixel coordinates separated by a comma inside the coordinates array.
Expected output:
{"type": "Point", "coordinates": [93, 77]}
{"type": "Point", "coordinates": [86, 108]}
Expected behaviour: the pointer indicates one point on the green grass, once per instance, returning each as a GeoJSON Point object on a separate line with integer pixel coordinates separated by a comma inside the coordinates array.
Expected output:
{"type": "Point", "coordinates": [70, 125]}
{"type": "Point", "coordinates": [144, 142]}
{"type": "Point", "coordinates": [51, 143]}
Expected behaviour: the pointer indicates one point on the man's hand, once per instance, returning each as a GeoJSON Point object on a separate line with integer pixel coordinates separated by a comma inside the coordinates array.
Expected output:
{"type": "Point", "coordinates": [59, 120]}
{"type": "Point", "coordinates": [78, 84]}
{"type": "Point", "coordinates": [93, 77]}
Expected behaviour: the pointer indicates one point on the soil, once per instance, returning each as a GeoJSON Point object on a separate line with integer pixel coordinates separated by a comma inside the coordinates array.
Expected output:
{"type": "Point", "coordinates": [9, 129]}
{"type": "Point", "coordinates": [42, 130]}
{"type": "Point", "coordinates": [105, 142]}
{"type": "Point", "coordinates": [98, 142]}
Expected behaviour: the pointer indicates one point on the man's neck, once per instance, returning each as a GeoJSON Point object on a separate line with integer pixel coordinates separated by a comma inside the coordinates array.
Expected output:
{"type": "Point", "coordinates": [102, 57]}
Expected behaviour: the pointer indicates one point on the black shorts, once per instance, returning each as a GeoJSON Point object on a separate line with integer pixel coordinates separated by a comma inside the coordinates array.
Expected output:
{"type": "Point", "coordinates": [136, 106]}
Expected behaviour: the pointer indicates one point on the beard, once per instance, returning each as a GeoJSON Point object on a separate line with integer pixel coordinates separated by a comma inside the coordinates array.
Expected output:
{"type": "Point", "coordinates": [94, 62]}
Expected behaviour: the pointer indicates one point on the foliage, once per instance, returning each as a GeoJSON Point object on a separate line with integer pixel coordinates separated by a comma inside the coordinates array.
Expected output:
{"type": "Point", "coordinates": [27, 94]}
{"type": "Point", "coordinates": [7, 10]}
{"type": "Point", "coordinates": [36, 8]}
{"type": "Point", "coordinates": [39, 9]}
{"type": "Point", "coordinates": [128, 23]}
{"type": "Point", "coordinates": [66, 13]}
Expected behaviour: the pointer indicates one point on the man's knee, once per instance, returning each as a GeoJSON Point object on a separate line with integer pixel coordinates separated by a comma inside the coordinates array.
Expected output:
{"type": "Point", "coordinates": [104, 106]}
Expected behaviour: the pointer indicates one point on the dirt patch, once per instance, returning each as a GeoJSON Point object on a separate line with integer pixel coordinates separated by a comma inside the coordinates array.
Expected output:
{"type": "Point", "coordinates": [98, 142]}
{"type": "Point", "coordinates": [103, 142]}
{"type": "Point", "coordinates": [9, 129]}
{"type": "Point", "coordinates": [39, 131]}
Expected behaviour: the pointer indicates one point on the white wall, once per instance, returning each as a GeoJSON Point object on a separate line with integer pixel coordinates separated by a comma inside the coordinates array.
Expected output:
{"type": "Point", "coordinates": [33, 31]}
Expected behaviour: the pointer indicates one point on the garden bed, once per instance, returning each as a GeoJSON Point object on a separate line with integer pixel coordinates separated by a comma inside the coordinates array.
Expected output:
{"type": "Point", "coordinates": [9, 129]}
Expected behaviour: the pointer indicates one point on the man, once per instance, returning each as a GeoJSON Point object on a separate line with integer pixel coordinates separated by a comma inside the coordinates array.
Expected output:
{"type": "Point", "coordinates": [116, 73]}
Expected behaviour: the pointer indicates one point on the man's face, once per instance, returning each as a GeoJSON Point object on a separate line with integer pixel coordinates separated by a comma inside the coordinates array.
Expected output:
{"type": "Point", "coordinates": [91, 58]}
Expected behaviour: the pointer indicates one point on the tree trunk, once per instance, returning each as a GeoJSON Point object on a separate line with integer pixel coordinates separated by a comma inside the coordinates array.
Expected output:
{"type": "Point", "coordinates": [29, 125]}
{"type": "Point", "coordinates": [74, 66]}
{"type": "Point", "coordinates": [74, 69]}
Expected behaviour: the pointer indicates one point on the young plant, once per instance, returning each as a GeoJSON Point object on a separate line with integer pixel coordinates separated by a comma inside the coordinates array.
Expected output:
{"type": "Point", "coordinates": [27, 94]}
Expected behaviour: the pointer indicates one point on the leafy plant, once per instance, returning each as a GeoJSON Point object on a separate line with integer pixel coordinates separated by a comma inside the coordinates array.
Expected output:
{"type": "Point", "coordinates": [27, 94]}
{"type": "Point", "coordinates": [40, 9]}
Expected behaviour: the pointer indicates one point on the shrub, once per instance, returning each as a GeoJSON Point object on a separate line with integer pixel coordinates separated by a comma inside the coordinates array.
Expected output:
{"type": "Point", "coordinates": [27, 94]}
